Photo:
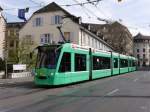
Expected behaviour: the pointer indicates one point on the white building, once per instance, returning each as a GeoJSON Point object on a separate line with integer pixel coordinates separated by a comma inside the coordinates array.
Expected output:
{"type": "Point", "coordinates": [142, 49]}
{"type": "Point", "coordinates": [2, 34]}
{"type": "Point", "coordinates": [42, 28]}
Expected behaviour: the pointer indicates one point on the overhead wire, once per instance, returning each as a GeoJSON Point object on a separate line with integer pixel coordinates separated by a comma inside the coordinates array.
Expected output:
{"type": "Point", "coordinates": [84, 11]}
{"type": "Point", "coordinates": [98, 18]}
{"type": "Point", "coordinates": [35, 2]}
{"type": "Point", "coordinates": [82, 4]}
{"type": "Point", "coordinates": [67, 5]}
{"type": "Point", "coordinates": [99, 10]}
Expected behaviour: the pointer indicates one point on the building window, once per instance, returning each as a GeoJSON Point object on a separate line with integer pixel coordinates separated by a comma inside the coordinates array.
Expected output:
{"type": "Point", "coordinates": [144, 63]}
{"type": "Point", "coordinates": [11, 53]}
{"type": "Point", "coordinates": [137, 50]}
{"type": "Point", "coordinates": [80, 62]}
{"type": "Point", "coordinates": [92, 42]}
{"type": "Point", "coordinates": [88, 40]}
{"type": "Point", "coordinates": [143, 49]}
{"type": "Point", "coordinates": [8, 33]}
{"type": "Point", "coordinates": [100, 45]}
{"type": "Point", "coordinates": [143, 55]}
{"type": "Point", "coordinates": [28, 40]}
{"type": "Point", "coordinates": [138, 56]}
{"type": "Point", "coordinates": [11, 43]}
{"type": "Point", "coordinates": [138, 63]}
{"type": "Point", "coordinates": [17, 43]}
{"type": "Point", "coordinates": [65, 65]}
{"type": "Point", "coordinates": [101, 63]}
{"type": "Point", "coordinates": [56, 19]}
{"type": "Point", "coordinates": [38, 21]}
{"type": "Point", "coordinates": [97, 44]}
{"type": "Point", "coordinates": [46, 38]}
{"type": "Point", "coordinates": [17, 31]}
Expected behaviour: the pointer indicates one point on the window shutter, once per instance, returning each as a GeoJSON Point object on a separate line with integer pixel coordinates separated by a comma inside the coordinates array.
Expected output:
{"type": "Point", "coordinates": [52, 20]}
{"type": "Point", "coordinates": [42, 39]}
{"type": "Point", "coordinates": [56, 19]}
{"type": "Point", "coordinates": [34, 22]}
{"type": "Point", "coordinates": [42, 21]}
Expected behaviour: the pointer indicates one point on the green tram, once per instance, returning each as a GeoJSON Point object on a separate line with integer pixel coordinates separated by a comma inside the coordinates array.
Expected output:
{"type": "Point", "coordinates": [71, 63]}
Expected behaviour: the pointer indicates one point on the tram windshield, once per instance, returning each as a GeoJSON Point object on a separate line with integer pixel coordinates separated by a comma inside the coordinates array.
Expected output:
{"type": "Point", "coordinates": [47, 57]}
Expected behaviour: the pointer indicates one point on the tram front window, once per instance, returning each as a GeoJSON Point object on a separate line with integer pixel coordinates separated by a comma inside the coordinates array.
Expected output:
{"type": "Point", "coordinates": [47, 57]}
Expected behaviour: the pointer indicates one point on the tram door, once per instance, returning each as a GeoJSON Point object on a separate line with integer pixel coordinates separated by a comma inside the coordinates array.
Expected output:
{"type": "Point", "coordinates": [90, 63]}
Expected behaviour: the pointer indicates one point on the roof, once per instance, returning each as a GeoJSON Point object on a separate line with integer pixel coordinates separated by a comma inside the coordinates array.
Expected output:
{"type": "Point", "coordinates": [50, 8]}
{"type": "Point", "coordinates": [15, 24]}
{"type": "Point", "coordinates": [55, 7]}
{"type": "Point", "coordinates": [140, 36]}
{"type": "Point", "coordinates": [95, 36]}
{"type": "Point", "coordinates": [95, 27]}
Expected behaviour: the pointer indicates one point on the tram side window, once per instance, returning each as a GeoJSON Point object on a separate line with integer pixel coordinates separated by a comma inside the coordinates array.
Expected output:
{"type": "Point", "coordinates": [65, 65]}
{"type": "Point", "coordinates": [123, 63]}
{"type": "Point", "coordinates": [126, 63]}
{"type": "Point", "coordinates": [80, 62]}
{"type": "Point", "coordinates": [115, 63]}
{"type": "Point", "coordinates": [97, 63]}
{"type": "Point", "coordinates": [106, 63]}
{"type": "Point", "coordinates": [101, 63]}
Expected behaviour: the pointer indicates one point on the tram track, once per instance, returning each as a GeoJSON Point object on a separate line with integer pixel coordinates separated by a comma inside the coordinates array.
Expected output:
{"type": "Point", "coordinates": [28, 88]}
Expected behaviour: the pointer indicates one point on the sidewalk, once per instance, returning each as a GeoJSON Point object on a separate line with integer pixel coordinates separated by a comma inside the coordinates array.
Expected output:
{"type": "Point", "coordinates": [146, 68]}
{"type": "Point", "coordinates": [16, 80]}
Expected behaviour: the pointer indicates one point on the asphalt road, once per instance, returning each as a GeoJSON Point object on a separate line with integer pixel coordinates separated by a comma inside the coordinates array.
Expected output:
{"type": "Point", "coordinates": [125, 93]}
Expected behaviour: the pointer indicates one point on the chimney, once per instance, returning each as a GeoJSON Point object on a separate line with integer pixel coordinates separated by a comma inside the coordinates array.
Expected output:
{"type": "Point", "coordinates": [80, 20]}
{"type": "Point", "coordinates": [89, 27]}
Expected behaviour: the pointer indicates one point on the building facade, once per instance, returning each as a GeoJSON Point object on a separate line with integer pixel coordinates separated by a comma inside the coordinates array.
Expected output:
{"type": "Point", "coordinates": [142, 49]}
{"type": "Point", "coordinates": [12, 40]}
{"type": "Point", "coordinates": [115, 34]}
{"type": "Point", "coordinates": [42, 28]}
{"type": "Point", "coordinates": [2, 34]}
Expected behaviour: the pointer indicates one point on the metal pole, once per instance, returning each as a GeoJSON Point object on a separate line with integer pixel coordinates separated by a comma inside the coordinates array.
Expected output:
{"type": "Point", "coordinates": [111, 63]}
{"type": "Point", "coordinates": [59, 28]}
{"type": "Point", "coordinates": [6, 68]}
{"type": "Point", "coordinates": [5, 52]}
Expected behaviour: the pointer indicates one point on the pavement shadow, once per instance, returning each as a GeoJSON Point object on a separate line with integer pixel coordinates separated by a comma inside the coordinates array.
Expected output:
{"type": "Point", "coordinates": [101, 96]}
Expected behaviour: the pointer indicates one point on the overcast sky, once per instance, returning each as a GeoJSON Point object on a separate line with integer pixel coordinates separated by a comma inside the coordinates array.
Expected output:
{"type": "Point", "coordinates": [134, 14]}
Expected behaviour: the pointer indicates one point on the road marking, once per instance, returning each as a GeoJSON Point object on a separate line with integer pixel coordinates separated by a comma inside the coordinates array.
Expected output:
{"type": "Point", "coordinates": [135, 80]}
{"type": "Point", "coordinates": [112, 92]}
